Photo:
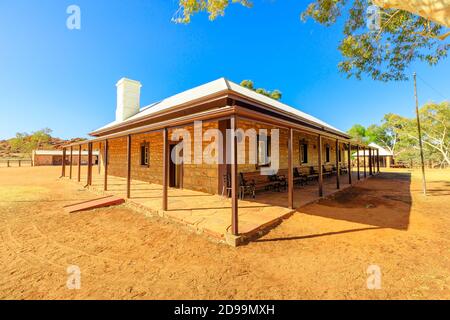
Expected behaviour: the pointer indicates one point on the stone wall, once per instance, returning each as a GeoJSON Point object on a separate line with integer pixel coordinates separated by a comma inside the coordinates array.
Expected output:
{"type": "Point", "coordinates": [204, 177]}
{"type": "Point", "coordinates": [299, 137]}
{"type": "Point", "coordinates": [200, 177]}
{"type": "Point", "coordinates": [49, 160]}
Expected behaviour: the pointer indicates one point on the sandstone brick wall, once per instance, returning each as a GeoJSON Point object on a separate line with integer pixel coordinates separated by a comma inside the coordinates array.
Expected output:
{"type": "Point", "coordinates": [43, 160]}
{"type": "Point", "coordinates": [200, 177]}
{"type": "Point", "coordinates": [204, 177]}
{"type": "Point", "coordinates": [310, 140]}
{"type": "Point", "coordinates": [117, 163]}
{"type": "Point", "coordinates": [48, 160]}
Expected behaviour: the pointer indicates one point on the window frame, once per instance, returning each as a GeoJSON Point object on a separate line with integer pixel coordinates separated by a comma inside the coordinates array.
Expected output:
{"type": "Point", "coordinates": [327, 153]}
{"type": "Point", "coordinates": [268, 152]}
{"type": "Point", "coordinates": [303, 151]}
{"type": "Point", "coordinates": [144, 154]}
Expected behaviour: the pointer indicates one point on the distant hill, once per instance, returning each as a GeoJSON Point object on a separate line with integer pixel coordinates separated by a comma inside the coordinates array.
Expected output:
{"type": "Point", "coordinates": [7, 149]}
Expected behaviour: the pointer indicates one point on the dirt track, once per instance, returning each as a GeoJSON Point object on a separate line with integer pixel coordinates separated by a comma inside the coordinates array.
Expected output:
{"type": "Point", "coordinates": [321, 252]}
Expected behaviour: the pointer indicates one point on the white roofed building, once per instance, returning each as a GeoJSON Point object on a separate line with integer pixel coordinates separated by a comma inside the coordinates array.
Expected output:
{"type": "Point", "coordinates": [54, 157]}
{"type": "Point", "coordinates": [386, 157]}
{"type": "Point", "coordinates": [186, 141]}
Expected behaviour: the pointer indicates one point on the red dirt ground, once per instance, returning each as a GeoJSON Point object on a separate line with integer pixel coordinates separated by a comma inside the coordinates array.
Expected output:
{"type": "Point", "coordinates": [321, 252]}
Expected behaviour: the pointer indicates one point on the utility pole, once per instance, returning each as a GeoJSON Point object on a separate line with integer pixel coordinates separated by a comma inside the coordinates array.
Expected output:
{"type": "Point", "coordinates": [424, 184]}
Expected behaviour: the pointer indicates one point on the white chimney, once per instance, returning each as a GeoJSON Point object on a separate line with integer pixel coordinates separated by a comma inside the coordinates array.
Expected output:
{"type": "Point", "coordinates": [128, 94]}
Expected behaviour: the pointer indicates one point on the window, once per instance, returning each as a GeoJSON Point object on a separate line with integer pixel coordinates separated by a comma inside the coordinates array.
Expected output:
{"type": "Point", "coordinates": [327, 153]}
{"type": "Point", "coordinates": [303, 152]}
{"type": "Point", "coordinates": [264, 151]}
{"type": "Point", "coordinates": [340, 159]}
{"type": "Point", "coordinates": [145, 156]}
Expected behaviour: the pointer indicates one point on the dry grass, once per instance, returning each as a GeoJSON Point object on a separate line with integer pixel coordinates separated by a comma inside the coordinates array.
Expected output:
{"type": "Point", "coordinates": [321, 252]}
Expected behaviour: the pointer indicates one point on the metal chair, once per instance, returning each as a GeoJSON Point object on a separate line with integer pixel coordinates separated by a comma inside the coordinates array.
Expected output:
{"type": "Point", "coordinates": [226, 185]}
{"type": "Point", "coordinates": [246, 187]}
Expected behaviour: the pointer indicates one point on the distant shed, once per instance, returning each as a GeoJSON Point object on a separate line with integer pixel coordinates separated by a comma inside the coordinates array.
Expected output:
{"type": "Point", "coordinates": [54, 157]}
{"type": "Point", "coordinates": [386, 157]}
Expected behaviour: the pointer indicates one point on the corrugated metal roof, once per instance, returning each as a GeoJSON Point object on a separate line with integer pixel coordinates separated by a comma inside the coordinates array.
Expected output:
{"type": "Point", "coordinates": [213, 87]}
{"type": "Point", "coordinates": [382, 151]}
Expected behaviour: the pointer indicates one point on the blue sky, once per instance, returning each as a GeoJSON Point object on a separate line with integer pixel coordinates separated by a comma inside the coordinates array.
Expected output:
{"type": "Point", "coordinates": [65, 79]}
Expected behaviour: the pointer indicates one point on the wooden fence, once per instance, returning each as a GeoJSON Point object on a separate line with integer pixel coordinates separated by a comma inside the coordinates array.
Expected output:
{"type": "Point", "coordinates": [16, 163]}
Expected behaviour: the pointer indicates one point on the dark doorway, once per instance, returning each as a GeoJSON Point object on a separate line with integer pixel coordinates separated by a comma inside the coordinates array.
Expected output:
{"type": "Point", "coordinates": [175, 170]}
{"type": "Point", "coordinates": [56, 160]}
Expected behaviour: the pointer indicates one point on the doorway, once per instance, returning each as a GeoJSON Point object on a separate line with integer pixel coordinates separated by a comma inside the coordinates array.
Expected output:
{"type": "Point", "coordinates": [175, 170]}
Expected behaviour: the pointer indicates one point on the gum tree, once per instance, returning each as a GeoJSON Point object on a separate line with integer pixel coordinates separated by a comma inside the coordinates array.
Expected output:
{"type": "Point", "coordinates": [274, 94]}
{"type": "Point", "coordinates": [401, 37]}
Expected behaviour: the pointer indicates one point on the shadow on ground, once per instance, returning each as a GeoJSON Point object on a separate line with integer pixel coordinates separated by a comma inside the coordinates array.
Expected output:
{"type": "Point", "coordinates": [383, 201]}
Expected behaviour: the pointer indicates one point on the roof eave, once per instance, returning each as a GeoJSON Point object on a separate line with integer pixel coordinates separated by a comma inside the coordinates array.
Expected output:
{"type": "Point", "coordinates": [227, 93]}
{"type": "Point", "coordinates": [205, 99]}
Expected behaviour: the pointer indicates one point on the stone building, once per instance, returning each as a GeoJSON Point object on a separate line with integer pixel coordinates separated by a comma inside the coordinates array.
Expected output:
{"type": "Point", "coordinates": [54, 157]}
{"type": "Point", "coordinates": [139, 143]}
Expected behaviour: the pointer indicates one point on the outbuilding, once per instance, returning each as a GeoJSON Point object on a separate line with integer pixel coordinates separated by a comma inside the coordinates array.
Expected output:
{"type": "Point", "coordinates": [54, 157]}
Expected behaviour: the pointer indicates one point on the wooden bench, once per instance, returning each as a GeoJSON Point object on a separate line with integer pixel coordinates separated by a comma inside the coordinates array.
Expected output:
{"type": "Point", "coordinates": [310, 172]}
{"type": "Point", "coordinates": [261, 182]}
{"type": "Point", "coordinates": [327, 170]}
{"type": "Point", "coordinates": [299, 177]}
{"type": "Point", "coordinates": [343, 169]}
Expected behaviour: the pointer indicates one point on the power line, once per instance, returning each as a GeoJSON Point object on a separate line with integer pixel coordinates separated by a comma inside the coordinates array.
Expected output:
{"type": "Point", "coordinates": [430, 86]}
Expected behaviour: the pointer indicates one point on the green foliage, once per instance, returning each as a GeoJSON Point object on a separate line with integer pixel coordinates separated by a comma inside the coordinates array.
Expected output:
{"type": "Point", "coordinates": [248, 84]}
{"type": "Point", "coordinates": [274, 94]}
{"type": "Point", "coordinates": [214, 8]}
{"type": "Point", "coordinates": [358, 133]}
{"type": "Point", "coordinates": [400, 135]}
{"type": "Point", "coordinates": [384, 54]}
{"type": "Point", "coordinates": [387, 134]}
{"type": "Point", "coordinates": [25, 143]}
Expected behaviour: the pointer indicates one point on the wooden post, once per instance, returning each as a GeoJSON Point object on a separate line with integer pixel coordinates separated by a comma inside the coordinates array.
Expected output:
{"type": "Point", "coordinates": [422, 162]}
{"type": "Point", "coordinates": [234, 178]}
{"type": "Point", "coordinates": [165, 168]}
{"type": "Point", "coordinates": [349, 163]}
{"type": "Point", "coordinates": [364, 158]}
{"type": "Point", "coordinates": [373, 162]}
{"type": "Point", "coordinates": [89, 168]}
{"type": "Point", "coordinates": [71, 160]}
{"type": "Point", "coordinates": [357, 161]}
{"type": "Point", "coordinates": [105, 159]}
{"type": "Point", "coordinates": [370, 161]}
{"type": "Point", "coordinates": [337, 165]}
{"type": "Point", "coordinates": [20, 164]}
{"type": "Point", "coordinates": [378, 161]}
{"type": "Point", "coordinates": [79, 163]}
{"type": "Point", "coordinates": [290, 169]}
{"type": "Point", "coordinates": [98, 157]}
{"type": "Point", "coordinates": [128, 166]}
{"type": "Point", "coordinates": [319, 150]}
{"type": "Point", "coordinates": [63, 169]}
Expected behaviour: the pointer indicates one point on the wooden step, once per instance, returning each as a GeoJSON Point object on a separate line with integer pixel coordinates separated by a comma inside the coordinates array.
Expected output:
{"type": "Point", "coordinates": [94, 204]}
